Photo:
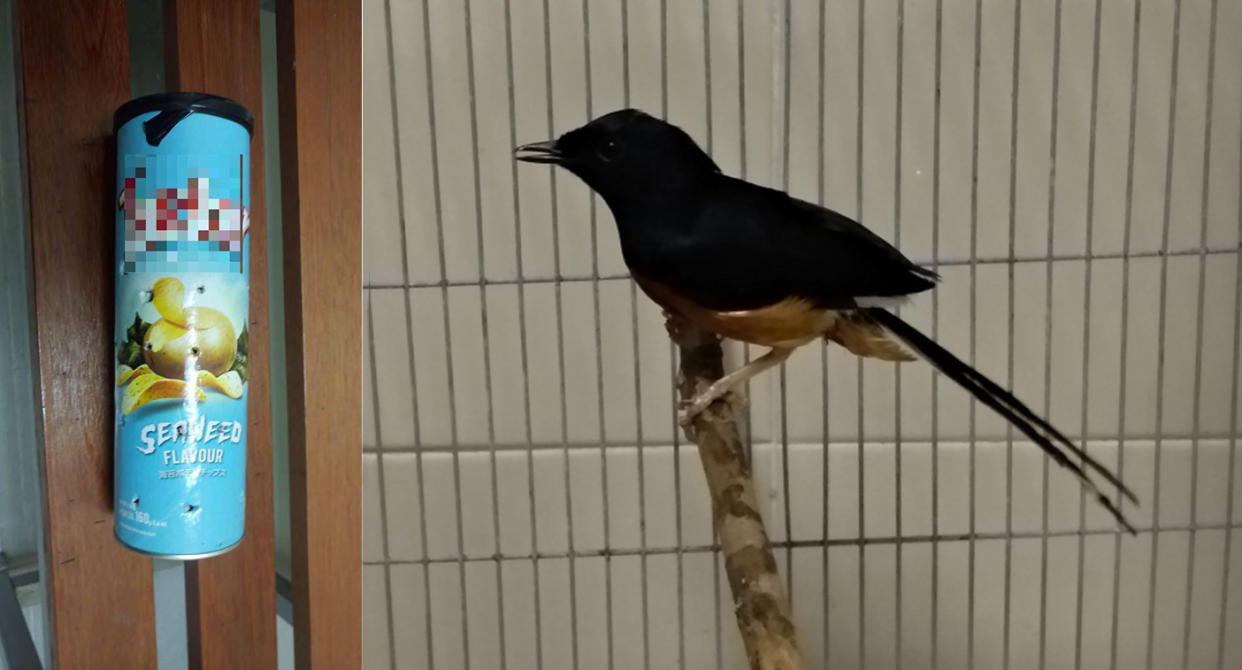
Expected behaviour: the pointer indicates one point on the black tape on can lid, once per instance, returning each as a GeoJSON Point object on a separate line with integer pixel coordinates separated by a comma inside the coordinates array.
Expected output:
{"type": "Point", "coordinates": [173, 107]}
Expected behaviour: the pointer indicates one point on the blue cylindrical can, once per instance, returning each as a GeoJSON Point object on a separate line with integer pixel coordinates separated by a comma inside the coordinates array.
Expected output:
{"type": "Point", "coordinates": [181, 330]}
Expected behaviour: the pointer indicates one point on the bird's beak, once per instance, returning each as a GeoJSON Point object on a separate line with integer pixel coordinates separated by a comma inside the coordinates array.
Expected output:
{"type": "Point", "coordinates": [538, 152]}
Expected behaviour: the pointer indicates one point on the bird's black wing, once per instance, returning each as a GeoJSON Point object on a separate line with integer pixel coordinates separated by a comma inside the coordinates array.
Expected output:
{"type": "Point", "coordinates": [750, 247]}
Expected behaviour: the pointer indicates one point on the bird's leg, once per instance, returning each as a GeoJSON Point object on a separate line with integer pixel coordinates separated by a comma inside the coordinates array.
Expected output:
{"type": "Point", "coordinates": [726, 383]}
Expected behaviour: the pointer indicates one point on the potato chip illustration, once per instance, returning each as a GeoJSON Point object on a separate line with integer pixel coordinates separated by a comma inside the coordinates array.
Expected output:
{"type": "Point", "coordinates": [229, 383]}
{"type": "Point", "coordinates": [161, 333]}
{"type": "Point", "coordinates": [154, 387]}
{"type": "Point", "coordinates": [134, 390]}
{"type": "Point", "coordinates": [125, 374]}
{"type": "Point", "coordinates": [168, 297]}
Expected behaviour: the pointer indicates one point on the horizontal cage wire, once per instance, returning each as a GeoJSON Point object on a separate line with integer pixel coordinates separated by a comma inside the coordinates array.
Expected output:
{"type": "Point", "coordinates": [1072, 170]}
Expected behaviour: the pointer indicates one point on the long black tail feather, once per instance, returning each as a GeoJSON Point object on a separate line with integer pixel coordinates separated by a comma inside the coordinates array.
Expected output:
{"type": "Point", "coordinates": [1049, 439]}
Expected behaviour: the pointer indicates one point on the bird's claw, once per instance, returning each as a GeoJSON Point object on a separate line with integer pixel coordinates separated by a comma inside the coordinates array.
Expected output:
{"type": "Point", "coordinates": [695, 406]}
{"type": "Point", "coordinates": [689, 410]}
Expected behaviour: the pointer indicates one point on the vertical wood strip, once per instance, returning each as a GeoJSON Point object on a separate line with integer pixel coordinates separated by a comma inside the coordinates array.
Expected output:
{"type": "Point", "coordinates": [75, 72]}
{"type": "Point", "coordinates": [321, 178]}
{"type": "Point", "coordinates": [213, 46]}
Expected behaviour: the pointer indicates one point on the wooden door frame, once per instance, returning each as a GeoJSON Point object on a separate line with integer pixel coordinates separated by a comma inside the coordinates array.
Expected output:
{"type": "Point", "coordinates": [321, 179]}
{"type": "Point", "coordinates": [73, 69]}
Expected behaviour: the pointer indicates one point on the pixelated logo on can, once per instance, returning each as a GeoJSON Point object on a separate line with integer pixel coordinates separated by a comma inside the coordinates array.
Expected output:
{"type": "Point", "coordinates": [181, 334]}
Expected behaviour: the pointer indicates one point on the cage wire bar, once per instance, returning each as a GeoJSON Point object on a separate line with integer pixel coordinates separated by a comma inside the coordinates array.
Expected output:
{"type": "Point", "coordinates": [522, 589]}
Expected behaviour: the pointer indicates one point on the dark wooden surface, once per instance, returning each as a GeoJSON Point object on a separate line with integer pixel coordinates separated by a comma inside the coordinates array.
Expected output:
{"type": "Point", "coordinates": [75, 71]}
{"type": "Point", "coordinates": [321, 173]}
{"type": "Point", "coordinates": [212, 46]}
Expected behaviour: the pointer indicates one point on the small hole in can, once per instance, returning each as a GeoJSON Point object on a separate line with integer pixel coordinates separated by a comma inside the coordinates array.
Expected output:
{"type": "Point", "coordinates": [190, 509]}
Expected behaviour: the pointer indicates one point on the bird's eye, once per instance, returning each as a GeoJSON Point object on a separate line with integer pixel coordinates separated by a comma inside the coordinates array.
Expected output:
{"type": "Point", "coordinates": [609, 151]}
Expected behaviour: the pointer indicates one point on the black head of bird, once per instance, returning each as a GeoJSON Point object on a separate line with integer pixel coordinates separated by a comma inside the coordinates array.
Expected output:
{"type": "Point", "coordinates": [626, 156]}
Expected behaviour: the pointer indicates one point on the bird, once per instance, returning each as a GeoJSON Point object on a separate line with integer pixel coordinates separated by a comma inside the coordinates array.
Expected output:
{"type": "Point", "coordinates": [756, 265]}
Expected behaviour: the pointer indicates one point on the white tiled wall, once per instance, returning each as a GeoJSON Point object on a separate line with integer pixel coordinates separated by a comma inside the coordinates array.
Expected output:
{"type": "Point", "coordinates": [583, 540]}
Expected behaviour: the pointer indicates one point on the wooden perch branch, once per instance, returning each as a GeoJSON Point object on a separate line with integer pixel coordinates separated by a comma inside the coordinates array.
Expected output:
{"type": "Point", "coordinates": [759, 599]}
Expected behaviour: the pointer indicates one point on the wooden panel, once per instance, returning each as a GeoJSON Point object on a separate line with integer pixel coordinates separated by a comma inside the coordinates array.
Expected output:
{"type": "Point", "coordinates": [212, 46]}
{"type": "Point", "coordinates": [321, 172]}
{"type": "Point", "coordinates": [75, 71]}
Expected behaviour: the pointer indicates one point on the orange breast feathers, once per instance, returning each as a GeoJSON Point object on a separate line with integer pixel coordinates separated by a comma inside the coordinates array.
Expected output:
{"type": "Point", "coordinates": [787, 324]}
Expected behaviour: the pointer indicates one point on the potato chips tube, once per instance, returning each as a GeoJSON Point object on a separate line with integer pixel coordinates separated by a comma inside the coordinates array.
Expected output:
{"type": "Point", "coordinates": [181, 341]}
